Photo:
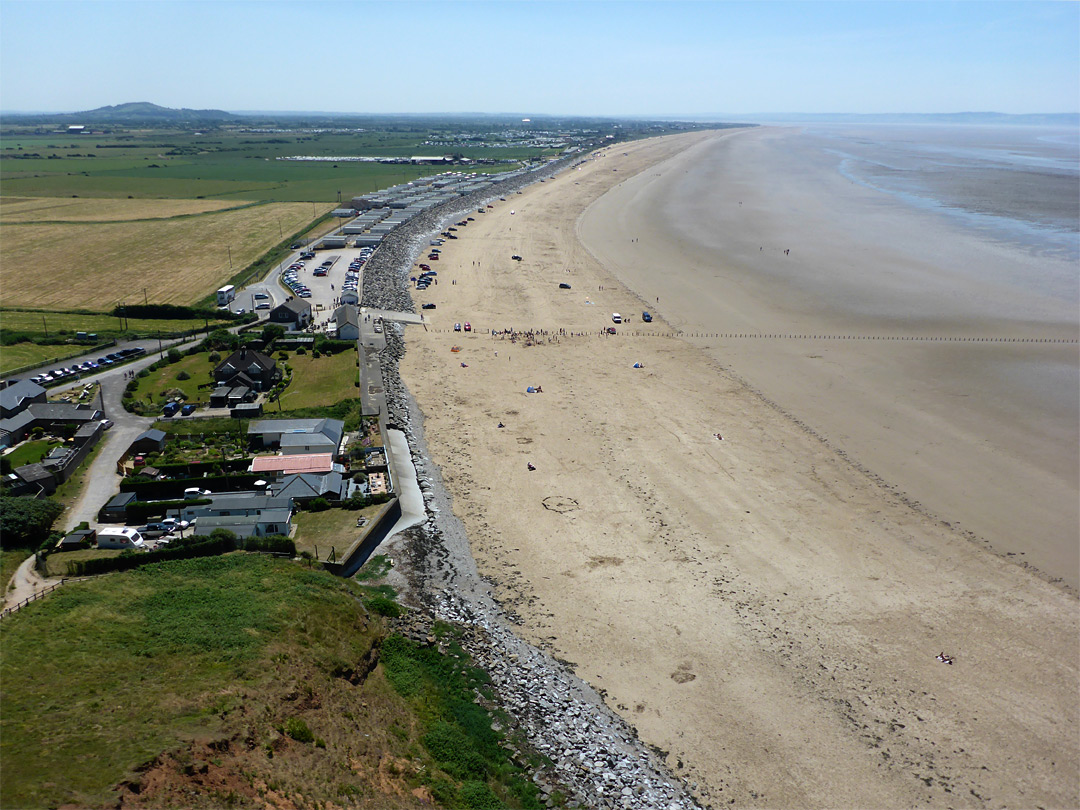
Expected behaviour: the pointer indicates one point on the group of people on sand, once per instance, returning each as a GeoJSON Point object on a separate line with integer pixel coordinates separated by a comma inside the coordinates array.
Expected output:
{"type": "Point", "coordinates": [945, 659]}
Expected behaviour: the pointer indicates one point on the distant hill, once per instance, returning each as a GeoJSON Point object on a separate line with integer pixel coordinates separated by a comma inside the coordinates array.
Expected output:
{"type": "Point", "coordinates": [145, 111]}
{"type": "Point", "coordinates": [133, 113]}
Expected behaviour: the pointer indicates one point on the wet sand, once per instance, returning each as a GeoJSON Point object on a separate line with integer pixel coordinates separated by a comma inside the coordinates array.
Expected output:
{"type": "Point", "coordinates": [758, 606]}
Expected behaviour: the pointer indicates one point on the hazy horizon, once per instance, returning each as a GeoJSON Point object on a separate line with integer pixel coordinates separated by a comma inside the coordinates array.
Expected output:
{"type": "Point", "coordinates": [599, 59]}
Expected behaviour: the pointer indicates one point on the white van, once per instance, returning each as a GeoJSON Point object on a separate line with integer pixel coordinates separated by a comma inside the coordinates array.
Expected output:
{"type": "Point", "coordinates": [616, 317]}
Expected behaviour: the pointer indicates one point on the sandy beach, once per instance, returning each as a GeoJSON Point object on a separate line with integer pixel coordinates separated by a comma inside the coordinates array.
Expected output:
{"type": "Point", "coordinates": [767, 606]}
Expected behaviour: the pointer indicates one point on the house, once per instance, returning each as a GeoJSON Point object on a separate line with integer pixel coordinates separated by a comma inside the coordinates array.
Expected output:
{"type": "Point", "coordinates": [295, 436]}
{"type": "Point", "coordinates": [267, 522]}
{"type": "Point", "coordinates": [16, 397]}
{"type": "Point", "coordinates": [350, 297]}
{"type": "Point", "coordinates": [234, 504]}
{"type": "Point", "coordinates": [304, 487]}
{"type": "Point", "coordinates": [247, 368]}
{"type": "Point", "coordinates": [15, 428]}
{"type": "Point", "coordinates": [295, 314]}
{"type": "Point", "coordinates": [347, 319]}
{"type": "Point", "coordinates": [149, 441]}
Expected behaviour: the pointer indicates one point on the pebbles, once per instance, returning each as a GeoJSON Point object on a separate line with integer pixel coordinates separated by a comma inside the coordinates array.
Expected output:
{"type": "Point", "coordinates": [596, 757]}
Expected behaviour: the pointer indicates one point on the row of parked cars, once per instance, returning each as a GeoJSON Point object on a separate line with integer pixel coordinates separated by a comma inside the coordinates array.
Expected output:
{"type": "Point", "coordinates": [87, 366]}
{"type": "Point", "coordinates": [171, 409]}
{"type": "Point", "coordinates": [352, 275]}
{"type": "Point", "coordinates": [291, 277]}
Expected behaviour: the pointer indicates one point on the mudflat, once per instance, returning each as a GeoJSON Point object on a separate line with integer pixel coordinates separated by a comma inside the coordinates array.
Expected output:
{"type": "Point", "coordinates": [759, 601]}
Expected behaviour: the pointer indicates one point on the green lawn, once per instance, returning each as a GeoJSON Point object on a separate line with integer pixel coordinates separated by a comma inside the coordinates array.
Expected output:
{"type": "Point", "coordinates": [333, 528]}
{"type": "Point", "coordinates": [198, 366]}
{"type": "Point", "coordinates": [319, 381]}
{"type": "Point", "coordinates": [18, 355]}
{"type": "Point", "coordinates": [105, 326]}
{"type": "Point", "coordinates": [31, 452]}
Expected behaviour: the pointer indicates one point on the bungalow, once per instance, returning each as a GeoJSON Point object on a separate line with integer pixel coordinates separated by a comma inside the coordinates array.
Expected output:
{"type": "Point", "coordinates": [306, 486]}
{"type": "Point", "coordinates": [249, 369]}
{"type": "Point", "coordinates": [296, 436]}
{"type": "Point", "coordinates": [294, 314]}
{"type": "Point", "coordinates": [284, 465]}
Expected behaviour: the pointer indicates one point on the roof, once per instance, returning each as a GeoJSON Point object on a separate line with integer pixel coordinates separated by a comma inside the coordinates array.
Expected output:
{"type": "Point", "coordinates": [308, 485]}
{"type": "Point", "coordinates": [333, 428]}
{"type": "Point", "coordinates": [242, 360]}
{"type": "Point", "coordinates": [120, 499]}
{"type": "Point", "coordinates": [15, 423]}
{"type": "Point", "coordinates": [12, 397]}
{"type": "Point", "coordinates": [37, 472]}
{"type": "Point", "coordinates": [63, 412]}
{"type": "Point", "coordinates": [347, 315]}
{"type": "Point", "coordinates": [308, 440]}
{"type": "Point", "coordinates": [245, 500]}
{"type": "Point", "coordinates": [153, 435]}
{"type": "Point", "coordinates": [300, 463]}
{"type": "Point", "coordinates": [297, 306]}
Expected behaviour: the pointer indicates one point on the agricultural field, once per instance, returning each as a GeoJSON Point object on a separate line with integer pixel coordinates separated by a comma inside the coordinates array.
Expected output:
{"type": "Point", "coordinates": [68, 209]}
{"type": "Point", "coordinates": [317, 381]}
{"type": "Point", "coordinates": [165, 261]}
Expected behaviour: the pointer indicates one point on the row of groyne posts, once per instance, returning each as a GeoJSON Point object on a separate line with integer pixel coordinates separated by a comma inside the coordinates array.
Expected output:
{"type": "Point", "coordinates": [565, 333]}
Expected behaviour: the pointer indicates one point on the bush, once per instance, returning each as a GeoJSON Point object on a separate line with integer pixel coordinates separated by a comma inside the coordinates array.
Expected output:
{"type": "Point", "coordinates": [318, 505]}
{"type": "Point", "coordinates": [316, 354]}
{"type": "Point", "coordinates": [183, 375]}
{"type": "Point", "coordinates": [274, 544]}
{"type": "Point", "coordinates": [383, 606]}
{"type": "Point", "coordinates": [296, 728]}
{"type": "Point", "coordinates": [26, 522]}
{"type": "Point", "coordinates": [301, 350]}
{"type": "Point", "coordinates": [173, 356]}
{"type": "Point", "coordinates": [198, 546]}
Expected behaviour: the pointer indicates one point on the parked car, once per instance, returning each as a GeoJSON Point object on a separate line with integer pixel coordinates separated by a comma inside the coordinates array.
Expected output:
{"type": "Point", "coordinates": [428, 306]}
{"type": "Point", "coordinates": [646, 316]}
{"type": "Point", "coordinates": [106, 424]}
{"type": "Point", "coordinates": [468, 326]}
{"type": "Point", "coordinates": [564, 286]}
{"type": "Point", "coordinates": [187, 410]}
{"type": "Point", "coordinates": [611, 330]}
{"type": "Point", "coordinates": [170, 408]}
{"type": "Point", "coordinates": [457, 327]}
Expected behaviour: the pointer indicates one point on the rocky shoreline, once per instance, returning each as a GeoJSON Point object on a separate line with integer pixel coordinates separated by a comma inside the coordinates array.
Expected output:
{"type": "Point", "coordinates": [597, 759]}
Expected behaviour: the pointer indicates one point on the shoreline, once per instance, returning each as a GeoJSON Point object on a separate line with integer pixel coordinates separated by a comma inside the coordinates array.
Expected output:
{"type": "Point", "coordinates": [754, 606]}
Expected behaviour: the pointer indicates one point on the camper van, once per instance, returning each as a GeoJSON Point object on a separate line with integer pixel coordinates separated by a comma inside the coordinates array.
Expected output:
{"type": "Point", "coordinates": [616, 317]}
{"type": "Point", "coordinates": [119, 538]}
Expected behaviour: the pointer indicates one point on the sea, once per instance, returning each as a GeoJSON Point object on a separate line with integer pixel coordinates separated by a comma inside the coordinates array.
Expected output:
{"type": "Point", "coordinates": [1018, 185]}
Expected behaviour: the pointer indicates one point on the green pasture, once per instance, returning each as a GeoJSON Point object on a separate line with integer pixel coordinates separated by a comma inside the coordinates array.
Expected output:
{"type": "Point", "coordinates": [34, 322]}
{"type": "Point", "coordinates": [21, 355]}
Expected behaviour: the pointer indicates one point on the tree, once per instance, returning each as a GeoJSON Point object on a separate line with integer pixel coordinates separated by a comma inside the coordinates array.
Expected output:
{"type": "Point", "coordinates": [271, 332]}
{"type": "Point", "coordinates": [221, 339]}
{"type": "Point", "coordinates": [26, 522]}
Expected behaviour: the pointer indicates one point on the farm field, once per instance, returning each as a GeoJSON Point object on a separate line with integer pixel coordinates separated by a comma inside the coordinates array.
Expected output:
{"type": "Point", "coordinates": [317, 381]}
{"type": "Point", "coordinates": [171, 261]}
{"type": "Point", "coordinates": [68, 209]}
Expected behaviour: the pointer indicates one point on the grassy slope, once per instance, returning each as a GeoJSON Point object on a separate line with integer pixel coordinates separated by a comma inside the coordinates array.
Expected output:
{"type": "Point", "coordinates": [25, 354]}
{"type": "Point", "coordinates": [193, 679]}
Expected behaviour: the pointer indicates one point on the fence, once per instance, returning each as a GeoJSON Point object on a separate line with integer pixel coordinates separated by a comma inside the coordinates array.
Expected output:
{"type": "Point", "coordinates": [43, 592]}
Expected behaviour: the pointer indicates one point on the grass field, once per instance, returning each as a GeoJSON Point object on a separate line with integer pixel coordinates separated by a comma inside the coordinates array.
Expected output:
{"type": "Point", "coordinates": [315, 382]}
{"type": "Point", "coordinates": [36, 322]}
{"type": "Point", "coordinates": [68, 209]}
{"type": "Point", "coordinates": [173, 261]}
{"type": "Point", "coordinates": [18, 355]}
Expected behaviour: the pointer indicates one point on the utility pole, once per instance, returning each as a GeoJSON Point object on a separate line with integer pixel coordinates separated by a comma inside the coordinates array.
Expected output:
{"type": "Point", "coordinates": [145, 299]}
{"type": "Point", "coordinates": [229, 248]}
{"type": "Point", "coordinates": [44, 326]}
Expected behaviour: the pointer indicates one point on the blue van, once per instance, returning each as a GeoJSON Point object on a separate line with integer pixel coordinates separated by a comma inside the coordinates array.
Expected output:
{"type": "Point", "coordinates": [170, 408]}
{"type": "Point", "coordinates": [645, 316]}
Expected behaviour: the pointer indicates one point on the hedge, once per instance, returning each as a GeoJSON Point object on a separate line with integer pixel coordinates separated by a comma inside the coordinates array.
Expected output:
{"type": "Point", "coordinates": [174, 488]}
{"type": "Point", "coordinates": [205, 547]}
{"type": "Point", "coordinates": [139, 511]}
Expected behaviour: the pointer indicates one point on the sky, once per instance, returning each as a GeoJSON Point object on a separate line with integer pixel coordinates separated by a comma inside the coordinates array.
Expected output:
{"type": "Point", "coordinates": [606, 58]}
